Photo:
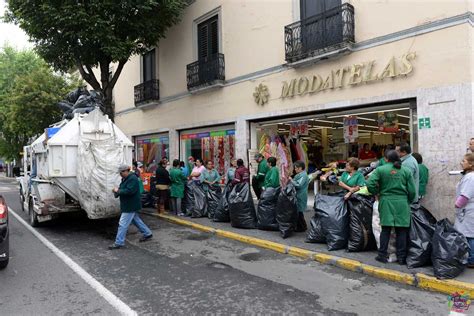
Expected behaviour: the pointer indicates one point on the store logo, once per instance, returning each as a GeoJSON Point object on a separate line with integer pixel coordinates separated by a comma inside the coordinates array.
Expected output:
{"type": "Point", "coordinates": [459, 302]}
{"type": "Point", "coordinates": [349, 76]}
{"type": "Point", "coordinates": [261, 94]}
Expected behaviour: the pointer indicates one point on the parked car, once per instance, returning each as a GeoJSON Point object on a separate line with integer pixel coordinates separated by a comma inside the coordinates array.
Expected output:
{"type": "Point", "coordinates": [4, 235]}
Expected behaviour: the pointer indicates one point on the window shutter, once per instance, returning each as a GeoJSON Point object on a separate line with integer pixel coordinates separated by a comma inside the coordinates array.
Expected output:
{"type": "Point", "coordinates": [203, 42]}
{"type": "Point", "coordinates": [208, 38]}
{"type": "Point", "coordinates": [214, 38]}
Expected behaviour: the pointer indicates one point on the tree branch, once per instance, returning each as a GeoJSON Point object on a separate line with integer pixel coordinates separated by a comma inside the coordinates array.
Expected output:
{"type": "Point", "coordinates": [117, 73]}
{"type": "Point", "coordinates": [88, 77]}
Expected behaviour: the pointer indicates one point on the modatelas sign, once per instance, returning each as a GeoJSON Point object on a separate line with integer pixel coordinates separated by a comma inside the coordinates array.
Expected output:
{"type": "Point", "coordinates": [349, 76]}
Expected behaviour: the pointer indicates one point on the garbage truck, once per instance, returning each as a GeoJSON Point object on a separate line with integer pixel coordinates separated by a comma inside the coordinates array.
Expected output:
{"type": "Point", "coordinates": [72, 167]}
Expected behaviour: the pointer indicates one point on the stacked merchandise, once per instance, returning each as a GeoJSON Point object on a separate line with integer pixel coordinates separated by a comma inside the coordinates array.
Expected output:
{"type": "Point", "coordinates": [286, 151]}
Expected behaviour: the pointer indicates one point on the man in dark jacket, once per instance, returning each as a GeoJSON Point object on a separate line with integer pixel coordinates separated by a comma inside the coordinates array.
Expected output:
{"type": "Point", "coordinates": [130, 204]}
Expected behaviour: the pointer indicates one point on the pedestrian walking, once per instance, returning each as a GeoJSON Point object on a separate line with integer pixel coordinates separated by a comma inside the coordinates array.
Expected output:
{"type": "Point", "coordinates": [396, 189]}
{"type": "Point", "coordinates": [130, 204]}
{"type": "Point", "coordinates": [178, 181]}
{"type": "Point", "coordinates": [242, 174]}
{"type": "Point", "coordinates": [352, 180]}
{"type": "Point", "coordinates": [259, 178]}
{"type": "Point", "coordinates": [464, 222]}
{"type": "Point", "coordinates": [209, 176]}
{"type": "Point", "coordinates": [162, 185]}
{"type": "Point", "coordinates": [424, 175]}
{"type": "Point", "coordinates": [272, 177]}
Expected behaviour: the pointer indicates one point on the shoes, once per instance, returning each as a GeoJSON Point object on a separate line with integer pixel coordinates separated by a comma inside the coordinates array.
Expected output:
{"type": "Point", "coordinates": [382, 259]}
{"type": "Point", "coordinates": [145, 238]}
{"type": "Point", "coordinates": [470, 266]}
{"type": "Point", "coordinates": [115, 246]}
{"type": "Point", "coordinates": [402, 262]}
{"type": "Point", "coordinates": [181, 214]}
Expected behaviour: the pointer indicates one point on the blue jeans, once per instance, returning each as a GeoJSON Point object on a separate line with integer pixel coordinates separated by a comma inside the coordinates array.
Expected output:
{"type": "Point", "coordinates": [125, 220]}
{"type": "Point", "coordinates": [470, 260]}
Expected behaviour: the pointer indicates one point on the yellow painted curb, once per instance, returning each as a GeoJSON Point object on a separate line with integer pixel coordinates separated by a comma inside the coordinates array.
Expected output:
{"type": "Point", "coordinates": [324, 258]}
{"type": "Point", "coordinates": [444, 286]}
{"type": "Point", "coordinates": [300, 252]}
{"type": "Point", "coordinates": [183, 222]}
{"type": "Point", "coordinates": [349, 264]}
{"type": "Point", "coordinates": [253, 241]}
{"type": "Point", "coordinates": [390, 275]}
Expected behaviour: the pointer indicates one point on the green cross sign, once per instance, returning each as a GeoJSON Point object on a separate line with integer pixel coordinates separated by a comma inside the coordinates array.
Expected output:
{"type": "Point", "coordinates": [424, 122]}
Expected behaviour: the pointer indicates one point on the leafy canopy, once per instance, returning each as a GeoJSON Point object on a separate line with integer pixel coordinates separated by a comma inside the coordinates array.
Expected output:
{"type": "Point", "coordinates": [29, 92]}
{"type": "Point", "coordinates": [94, 33]}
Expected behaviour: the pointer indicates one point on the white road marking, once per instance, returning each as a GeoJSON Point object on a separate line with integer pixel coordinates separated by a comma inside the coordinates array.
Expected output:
{"type": "Point", "coordinates": [117, 303]}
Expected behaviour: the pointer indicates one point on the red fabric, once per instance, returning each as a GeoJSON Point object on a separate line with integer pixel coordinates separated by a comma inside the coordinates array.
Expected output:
{"type": "Point", "coordinates": [242, 175]}
{"type": "Point", "coordinates": [367, 155]}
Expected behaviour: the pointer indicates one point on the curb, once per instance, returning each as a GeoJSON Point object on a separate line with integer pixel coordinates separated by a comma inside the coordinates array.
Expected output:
{"type": "Point", "coordinates": [419, 280]}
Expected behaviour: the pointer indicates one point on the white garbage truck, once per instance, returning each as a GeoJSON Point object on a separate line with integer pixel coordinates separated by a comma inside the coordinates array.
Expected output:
{"type": "Point", "coordinates": [73, 166]}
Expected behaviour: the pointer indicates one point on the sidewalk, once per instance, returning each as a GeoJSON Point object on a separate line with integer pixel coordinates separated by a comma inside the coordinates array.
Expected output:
{"type": "Point", "coordinates": [357, 261]}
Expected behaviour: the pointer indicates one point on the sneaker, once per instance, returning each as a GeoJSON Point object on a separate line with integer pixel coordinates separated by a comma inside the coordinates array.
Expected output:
{"type": "Point", "coordinates": [115, 246]}
{"type": "Point", "coordinates": [145, 238]}
{"type": "Point", "coordinates": [181, 214]}
{"type": "Point", "coordinates": [379, 258]}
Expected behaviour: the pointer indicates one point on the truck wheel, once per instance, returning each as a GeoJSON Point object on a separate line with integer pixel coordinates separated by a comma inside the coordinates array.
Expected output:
{"type": "Point", "coordinates": [33, 216]}
{"type": "Point", "coordinates": [3, 264]}
{"type": "Point", "coordinates": [22, 200]}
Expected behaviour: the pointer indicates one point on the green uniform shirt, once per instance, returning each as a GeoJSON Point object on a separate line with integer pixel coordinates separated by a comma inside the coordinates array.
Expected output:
{"type": "Point", "coordinates": [129, 194]}
{"type": "Point", "coordinates": [211, 176]}
{"type": "Point", "coordinates": [382, 162]}
{"type": "Point", "coordinates": [301, 182]}
{"type": "Point", "coordinates": [262, 172]}
{"type": "Point", "coordinates": [272, 178]}
{"type": "Point", "coordinates": [424, 176]}
{"type": "Point", "coordinates": [357, 179]}
{"type": "Point", "coordinates": [410, 162]}
{"type": "Point", "coordinates": [396, 190]}
{"type": "Point", "coordinates": [178, 180]}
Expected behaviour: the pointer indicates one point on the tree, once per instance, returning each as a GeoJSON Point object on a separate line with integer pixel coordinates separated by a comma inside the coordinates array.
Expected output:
{"type": "Point", "coordinates": [94, 33]}
{"type": "Point", "coordinates": [29, 92]}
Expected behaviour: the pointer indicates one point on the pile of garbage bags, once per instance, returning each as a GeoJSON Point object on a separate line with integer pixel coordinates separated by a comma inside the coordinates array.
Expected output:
{"type": "Point", "coordinates": [81, 101]}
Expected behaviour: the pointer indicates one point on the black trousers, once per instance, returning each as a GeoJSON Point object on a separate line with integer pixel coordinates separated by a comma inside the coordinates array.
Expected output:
{"type": "Point", "coordinates": [256, 188]}
{"type": "Point", "coordinates": [401, 241]}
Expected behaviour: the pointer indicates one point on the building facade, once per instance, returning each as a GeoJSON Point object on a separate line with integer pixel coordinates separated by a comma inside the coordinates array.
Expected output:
{"type": "Point", "coordinates": [318, 78]}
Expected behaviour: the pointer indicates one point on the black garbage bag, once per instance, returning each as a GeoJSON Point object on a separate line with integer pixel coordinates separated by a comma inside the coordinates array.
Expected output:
{"type": "Point", "coordinates": [74, 95]}
{"type": "Point", "coordinates": [214, 195]}
{"type": "Point", "coordinates": [187, 204]}
{"type": "Point", "coordinates": [267, 209]}
{"type": "Point", "coordinates": [83, 110]}
{"type": "Point", "coordinates": [421, 232]}
{"type": "Point", "coordinates": [222, 211]}
{"type": "Point", "coordinates": [287, 212]}
{"type": "Point", "coordinates": [301, 225]}
{"type": "Point", "coordinates": [147, 199]}
{"type": "Point", "coordinates": [65, 106]}
{"type": "Point", "coordinates": [334, 219]}
{"type": "Point", "coordinates": [241, 207]}
{"type": "Point", "coordinates": [361, 237]}
{"type": "Point", "coordinates": [316, 234]}
{"type": "Point", "coordinates": [450, 251]}
{"type": "Point", "coordinates": [200, 201]}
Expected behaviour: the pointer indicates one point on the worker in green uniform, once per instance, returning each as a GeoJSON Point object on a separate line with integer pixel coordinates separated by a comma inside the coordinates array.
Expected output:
{"type": "Point", "coordinates": [178, 180]}
{"type": "Point", "coordinates": [272, 178]}
{"type": "Point", "coordinates": [424, 174]}
{"type": "Point", "coordinates": [301, 182]}
{"type": "Point", "coordinates": [396, 189]}
{"type": "Point", "coordinates": [352, 180]}
{"type": "Point", "coordinates": [259, 178]}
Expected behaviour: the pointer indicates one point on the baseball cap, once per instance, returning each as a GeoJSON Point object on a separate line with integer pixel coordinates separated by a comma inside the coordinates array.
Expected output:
{"type": "Point", "coordinates": [123, 167]}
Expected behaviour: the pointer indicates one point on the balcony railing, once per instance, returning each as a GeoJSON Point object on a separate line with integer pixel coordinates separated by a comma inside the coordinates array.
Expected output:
{"type": "Point", "coordinates": [320, 34]}
{"type": "Point", "coordinates": [147, 92]}
{"type": "Point", "coordinates": [206, 72]}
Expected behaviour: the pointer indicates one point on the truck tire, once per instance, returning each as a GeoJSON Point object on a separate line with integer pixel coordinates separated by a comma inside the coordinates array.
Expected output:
{"type": "Point", "coordinates": [3, 264]}
{"type": "Point", "coordinates": [33, 216]}
{"type": "Point", "coordinates": [22, 200]}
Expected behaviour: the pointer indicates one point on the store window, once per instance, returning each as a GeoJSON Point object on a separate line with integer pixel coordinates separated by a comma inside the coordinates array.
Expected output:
{"type": "Point", "coordinates": [319, 140]}
{"type": "Point", "coordinates": [150, 149]}
{"type": "Point", "coordinates": [217, 145]}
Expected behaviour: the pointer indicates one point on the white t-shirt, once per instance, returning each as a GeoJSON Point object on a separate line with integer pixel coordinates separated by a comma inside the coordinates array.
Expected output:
{"type": "Point", "coordinates": [465, 216]}
{"type": "Point", "coordinates": [198, 169]}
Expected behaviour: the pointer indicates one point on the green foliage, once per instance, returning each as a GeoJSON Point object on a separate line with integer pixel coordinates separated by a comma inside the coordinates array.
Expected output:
{"type": "Point", "coordinates": [94, 33]}
{"type": "Point", "coordinates": [29, 92]}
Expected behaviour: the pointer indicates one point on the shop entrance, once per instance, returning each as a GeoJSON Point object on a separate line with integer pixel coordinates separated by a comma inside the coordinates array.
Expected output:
{"type": "Point", "coordinates": [319, 139]}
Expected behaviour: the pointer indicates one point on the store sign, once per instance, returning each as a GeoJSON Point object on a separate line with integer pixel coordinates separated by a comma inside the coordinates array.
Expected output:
{"type": "Point", "coordinates": [349, 76]}
{"type": "Point", "coordinates": [299, 128]}
{"type": "Point", "coordinates": [388, 122]}
{"type": "Point", "coordinates": [351, 130]}
{"type": "Point", "coordinates": [207, 134]}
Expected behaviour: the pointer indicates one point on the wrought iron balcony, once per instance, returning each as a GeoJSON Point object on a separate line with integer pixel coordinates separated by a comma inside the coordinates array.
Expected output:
{"type": "Point", "coordinates": [329, 31]}
{"type": "Point", "coordinates": [206, 72]}
{"type": "Point", "coordinates": [147, 92]}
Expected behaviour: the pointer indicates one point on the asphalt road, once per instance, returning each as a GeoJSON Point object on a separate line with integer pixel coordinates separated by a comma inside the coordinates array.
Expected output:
{"type": "Point", "coordinates": [182, 271]}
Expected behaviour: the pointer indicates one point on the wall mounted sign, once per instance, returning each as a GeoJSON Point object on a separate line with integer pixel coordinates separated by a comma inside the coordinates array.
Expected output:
{"type": "Point", "coordinates": [349, 76]}
{"type": "Point", "coordinates": [299, 129]}
{"type": "Point", "coordinates": [351, 130]}
{"type": "Point", "coordinates": [424, 122]}
{"type": "Point", "coordinates": [208, 134]}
